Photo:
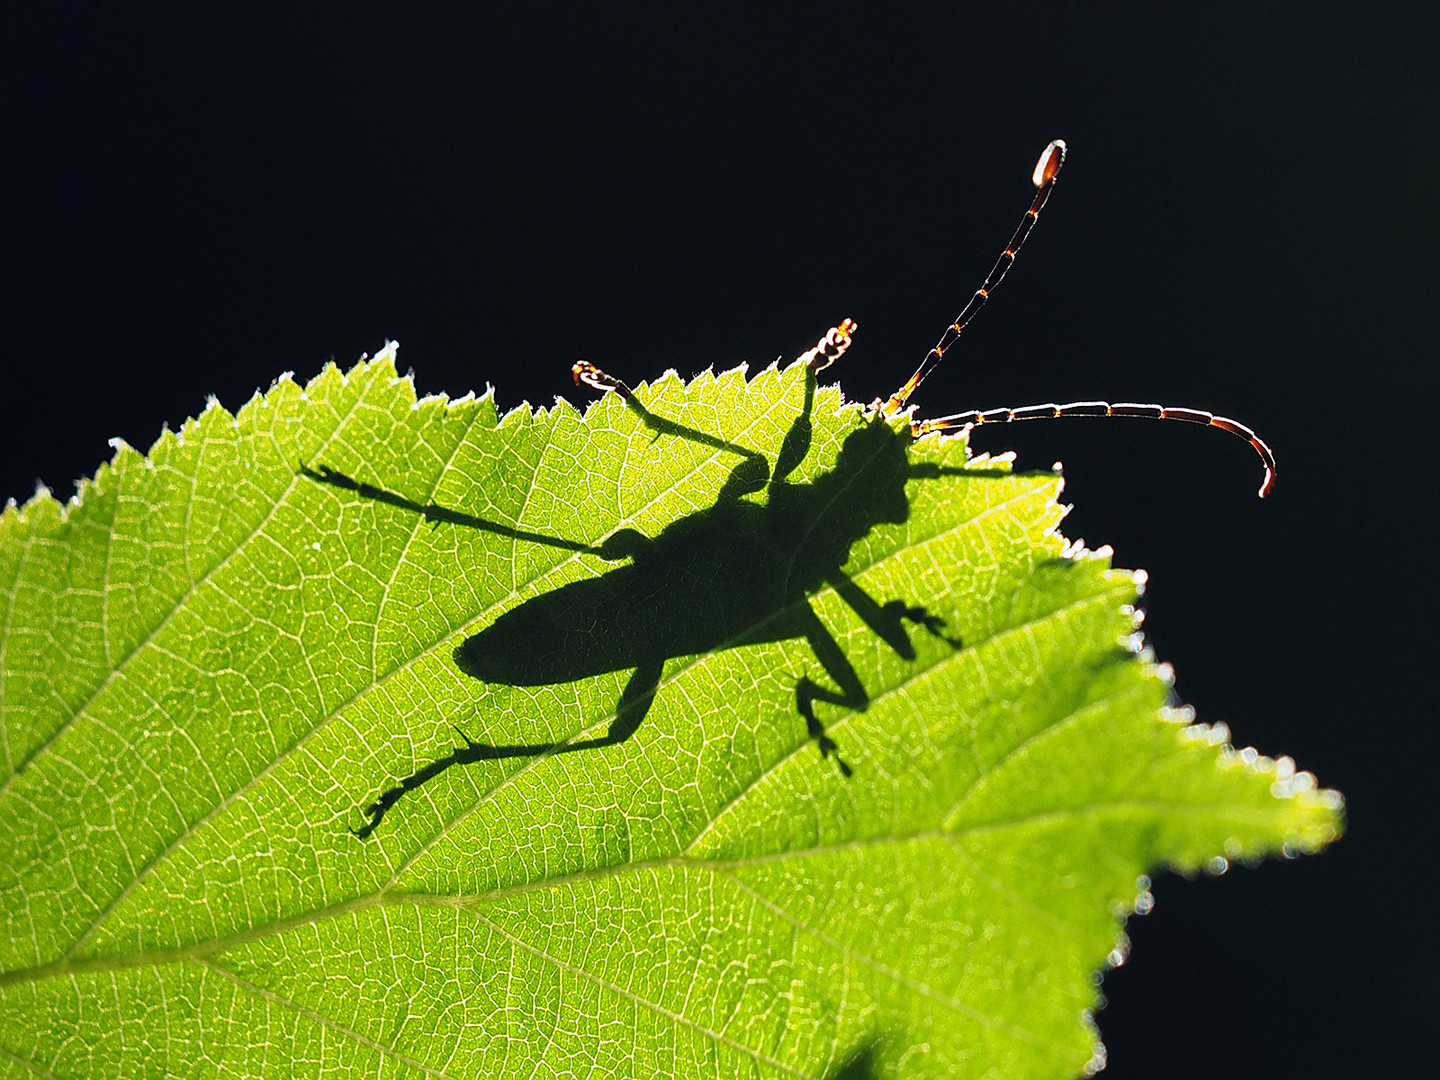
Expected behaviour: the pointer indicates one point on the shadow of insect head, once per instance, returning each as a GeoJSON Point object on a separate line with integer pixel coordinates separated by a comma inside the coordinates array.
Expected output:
{"type": "Point", "coordinates": [738, 572]}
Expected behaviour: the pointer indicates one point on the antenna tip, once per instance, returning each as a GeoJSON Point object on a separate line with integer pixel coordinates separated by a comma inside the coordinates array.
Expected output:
{"type": "Point", "coordinates": [1268, 484]}
{"type": "Point", "coordinates": [1048, 167]}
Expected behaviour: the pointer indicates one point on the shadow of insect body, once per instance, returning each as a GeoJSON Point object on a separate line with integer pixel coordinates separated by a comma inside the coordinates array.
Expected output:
{"type": "Point", "coordinates": [739, 572]}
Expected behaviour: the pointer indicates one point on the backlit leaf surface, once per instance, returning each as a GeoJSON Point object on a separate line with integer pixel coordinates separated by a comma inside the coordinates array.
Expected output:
{"type": "Point", "coordinates": [211, 663]}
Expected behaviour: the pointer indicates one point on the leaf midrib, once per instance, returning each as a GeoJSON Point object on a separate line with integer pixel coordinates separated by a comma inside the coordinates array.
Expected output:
{"type": "Point", "coordinates": [317, 916]}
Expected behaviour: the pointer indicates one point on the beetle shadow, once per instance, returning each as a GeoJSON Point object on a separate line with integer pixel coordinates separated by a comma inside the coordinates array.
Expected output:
{"type": "Point", "coordinates": [861, 1065]}
{"type": "Point", "coordinates": [738, 572]}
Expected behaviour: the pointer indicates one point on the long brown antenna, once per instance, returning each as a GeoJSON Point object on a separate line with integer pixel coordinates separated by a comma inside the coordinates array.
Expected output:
{"type": "Point", "coordinates": [1104, 408]}
{"type": "Point", "coordinates": [1047, 169]}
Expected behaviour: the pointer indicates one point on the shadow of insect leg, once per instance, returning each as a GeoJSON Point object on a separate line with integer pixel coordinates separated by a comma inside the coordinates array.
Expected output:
{"type": "Point", "coordinates": [886, 619]}
{"type": "Point", "coordinates": [461, 755]}
{"type": "Point", "coordinates": [796, 445]}
{"type": "Point", "coordinates": [851, 694]}
{"type": "Point", "coordinates": [635, 701]}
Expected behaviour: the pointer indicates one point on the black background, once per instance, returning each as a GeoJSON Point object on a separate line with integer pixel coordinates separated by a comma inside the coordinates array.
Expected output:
{"type": "Point", "coordinates": [196, 202]}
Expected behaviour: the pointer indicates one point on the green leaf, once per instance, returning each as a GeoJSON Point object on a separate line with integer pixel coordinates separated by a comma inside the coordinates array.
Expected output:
{"type": "Point", "coordinates": [217, 657]}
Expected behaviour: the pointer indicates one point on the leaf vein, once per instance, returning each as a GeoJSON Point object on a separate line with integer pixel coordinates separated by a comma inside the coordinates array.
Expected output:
{"type": "Point", "coordinates": [922, 988]}
{"type": "Point", "coordinates": [327, 1022]}
{"type": "Point", "coordinates": [653, 1006]}
{"type": "Point", "coordinates": [176, 608]}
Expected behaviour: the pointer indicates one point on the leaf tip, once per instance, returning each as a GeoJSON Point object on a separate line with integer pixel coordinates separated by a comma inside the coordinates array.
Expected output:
{"type": "Point", "coordinates": [388, 352]}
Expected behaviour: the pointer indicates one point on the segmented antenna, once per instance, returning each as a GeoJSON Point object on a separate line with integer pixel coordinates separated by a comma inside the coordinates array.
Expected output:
{"type": "Point", "coordinates": [1104, 408]}
{"type": "Point", "coordinates": [1047, 169]}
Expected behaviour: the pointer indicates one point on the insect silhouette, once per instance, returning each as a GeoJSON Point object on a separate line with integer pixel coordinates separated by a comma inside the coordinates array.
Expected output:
{"type": "Point", "coordinates": [740, 571]}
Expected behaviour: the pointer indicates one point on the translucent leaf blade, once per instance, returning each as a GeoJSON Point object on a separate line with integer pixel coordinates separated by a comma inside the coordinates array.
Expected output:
{"type": "Point", "coordinates": [213, 662]}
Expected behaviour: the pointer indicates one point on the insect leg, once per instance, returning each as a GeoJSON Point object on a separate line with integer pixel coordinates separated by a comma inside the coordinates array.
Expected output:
{"type": "Point", "coordinates": [851, 694]}
{"type": "Point", "coordinates": [830, 347]}
{"type": "Point", "coordinates": [886, 619]}
{"type": "Point", "coordinates": [635, 701]}
{"type": "Point", "coordinates": [755, 465]}
{"type": "Point", "coordinates": [468, 754]}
